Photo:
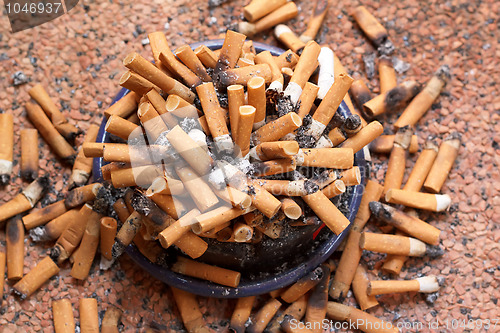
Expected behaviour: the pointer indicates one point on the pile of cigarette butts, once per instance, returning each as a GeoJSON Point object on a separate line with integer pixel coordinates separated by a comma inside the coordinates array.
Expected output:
{"type": "Point", "coordinates": [231, 144]}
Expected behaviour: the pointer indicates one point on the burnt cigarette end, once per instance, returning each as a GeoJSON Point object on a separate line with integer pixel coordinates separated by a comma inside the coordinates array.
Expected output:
{"type": "Point", "coordinates": [12, 229]}
{"type": "Point", "coordinates": [453, 136]}
{"type": "Point", "coordinates": [102, 201]}
{"type": "Point", "coordinates": [4, 179]}
{"type": "Point", "coordinates": [434, 251]}
{"type": "Point", "coordinates": [443, 73]}
{"type": "Point", "coordinates": [431, 298]}
{"type": "Point", "coordinates": [385, 47]}
{"type": "Point", "coordinates": [311, 187]}
{"type": "Point", "coordinates": [70, 159]}
{"type": "Point", "coordinates": [28, 175]}
{"type": "Point", "coordinates": [431, 143]}
{"type": "Point", "coordinates": [19, 294]}
{"type": "Point", "coordinates": [117, 249]}
{"type": "Point", "coordinates": [381, 211]}
{"type": "Point", "coordinates": [397, 96]}
{"type": "Point", "coordinates": [55, 253]}
{"type": "Point", "coordinates": [352, 124]}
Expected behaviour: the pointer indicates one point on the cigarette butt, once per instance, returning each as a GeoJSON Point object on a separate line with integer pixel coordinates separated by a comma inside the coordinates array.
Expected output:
{"type": "Point", "coordinates": [170, 204]}
{"type": "Point", "coordinates": [296, 327]}
{"type": "Point", "coordinates": [188, 306]}
{"type": "Point", "coordinates": [246, 120]}
{"type": "Point", "coordinates": [307, 98]}
{"type": "Point", "coordinates": [370, 25]}
{"type": "Point", "coordinates": [14, 233]}
{"type": "Point", "coordinates": [126, 234]}
{"type": "Point", "coordinates": [67, 130]}
{"type": "Point", "coordinates": [47, 130]}
{"type": "Point", "coordinates": [264, 316]}
{"type": "Point", "coordinates": [392, 244]}
{"type": "Point", "coordinates": [106, 169]}
{"type": "Point", "coordinates": [317, 303]}
{"type": "Point", "coordinates": [383, 144]}
{"type": "Point", "coordinates": [274, 167]}
{"type": "Point", "coordinates": [81, 195]}
{"type": "Point", "coordinates": [242, 62]}
{"type": "Point", "coordinates": [422, 167]}
{"type": "Point", "coordinates": [387, 74]}
{"type": "Point", "coordinates": [264, 201]}
{"type": "Point", "coordinates": [359, 288]}
{"type": "Point", "coordinates": [360, 319]}
{"type": "Point", "coordinates": [147, 70]}
{"type": "Point", "coordinates": [273, 229]}
{"type": "Point", "coordinates": [108, 229]}
{"type": "Point", "coordinates": [423, 101]}
{"type": "Point", "coordinates": [83, 165]}
{"type": "Point", "coordinates": [302, 286]}
{"type": "Point", "coordinates": [181, 108]}
{"type": "Point", "coordinates": [203, 271]}
{"type": "Point", "coordinates": [257, 9]}
{"type": "Point", "coordinates": [235, 197]}
{"type": "Point", "coordinates": [426, 284]}
{"type": "Point", "coordinates": [176, 230]}
{"type": "Point", "coordinates": [206, 56]}
{"type": "Point", "coordinates": [236, 99]}
{"type": "Point", "coordinates": [276, 149]}
{"type": "Point", "coordinates": [120, 127]}
{"type": "Point", "coordinates": [111, 319]}
{"type": "Point", "coordinates": [169, 60]}
{"type": "Point", "coordinates": [336, 136]}
{"type": "Point", "coordinates": [241, 313]}
{"type": "Point", "coordinates": [165, 185]}
{"type": "Point", "coordinates": [2, 274]}
{"type": "Point", "coordinates": [151, 121]}
{"type": "Point", "coordinates": [352, 125]}
{"type": "Point", "coordinates": [419, 200]}
{"type": "Point", "coordinates": [200, 191]}
{"type": "Point", "coordinates": [291, 209]}
{"type": "Point", "coordinates": [366, 135]}
{"type": "Point", "coordinates": [242, 232]}
{"type": "Point", "coordinates": [7, 147]}
{"type": "Point", "coordinates": [215, 217]}
{"type": "Point", "coordinates": [447, 154]}
{"type": "Point", "coordinates": [326, 110]}
{"type": "Point", "coordinates": [397, 160]}
{"type": "Point", "coordinates": [265, 57]}
{"type": "Point", "coordinates": [192, 245]}
{"type": "Point", "coordinates": [149, 248]}
{"type": "Point", "coordinates": [326, 74]}
{"type": "Point", "coordinates": [287, 59]}
{"type": "Point", "coordinates": [124, 107]}
{"type": "Point", "coordinates": [256, 88]}
{"type": "Point", "coordinates": [332, 158]}
{"type": "Point", "coordinates": [25, 200]}
{"type": "Point", "coordinates": [94, 149]}
{"type": "Point", "coordinates": [394, 263]}
{"type": "Point", "coordinates": [296, 310]}
{"type": "Point", "coordinates": [351, 176]}
{"type": "Point", "coordinates": [53, 229]}
{"type": "Point", "coordinates": [136, 83]}
{"type": "Point", "coordinates": [315, 21]}
{"type": "Point", "coordinates": [391, 100]}
{"type": "Point", "coordinates": [158, 42]}
{"type": "Point", "coordinates": [277, 16]}
{"type": "Point", "coordinates": [43, 215]}
{"type": "Point", "coordinates": [135, 176]}
{"type": "Point", "coordinates": [89, 316]}
{"type": "Point", "coordinates": [230, 52]}
{"type": "Point", "coordinates": [287, 37]}
{"type": "Point", "coordinates": [62, 312]}
{"type": "Point", "coordinates": [277, 129]}
{"type": "Point", "coordinates": [411, 225]}
{"type": "Point", "coordinates": [336, 188]}
{"type": "Point", "coordinates": [360, 93]}
{"type": "Point", "coordinates": [287, 75]}
{"type": "Point", "coordinates": [86, 251]}
{"type": "Point", "coordinates": [42, 272]}
{"type": "Point", "coordinates": [306, 65]}
{"type": "Point", "coordinates": [243, 75]}
{"type": "Point", "coordinates": [189, 58]}
{"type": "Point", "coordinates": [120, 207]}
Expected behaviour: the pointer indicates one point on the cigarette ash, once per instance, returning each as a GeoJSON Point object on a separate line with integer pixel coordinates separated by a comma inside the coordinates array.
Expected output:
{"type": "Point", "coordinates": [277, 103]}
{"type": "Point", "coordinates": [305, 140]}
{"type": "Point", "coordinates": [352, 123]}
{"type": "Point", "coordinates": [187, 124]}
{"type": "Point", "coordinates": [386, 48]}
{"type": "Point", "coordinates": [399, 65]}
{"type": "Point", "coordinates": [19, 78]}
{"type": "Point", "coordinates": [433, 251]}
{"type": "Point", "coordinates": [444, 73]}
{"type": "Point", "coordinates": [222, 96]}
{"type": "Point", "coordinates": [369, 62]}
{"type": "Point", "coordinates": [396, 96]}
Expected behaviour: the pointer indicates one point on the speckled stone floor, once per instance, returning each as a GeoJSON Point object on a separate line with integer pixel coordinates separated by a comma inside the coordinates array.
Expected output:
{"type": "Point", "coordinates": [78, 58]}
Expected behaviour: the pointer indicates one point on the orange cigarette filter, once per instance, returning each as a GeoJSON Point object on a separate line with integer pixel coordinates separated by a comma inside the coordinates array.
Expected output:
{"type": "Point", "coordinates": [54, 229]}
{"type": "Point", "coordinates": [336, 188]}
{"type": "Point", "coordinates": [147, 70]}
{"type": "Point", "coordinates": [384, 143]}
{"type": "Point", "coordinates": [422, 166]}
{"type": "Point", "coordinates": [242, 232]}
{"type": "Point", "coordinates": [235, 197]}
{"type": "Point", "coordinates": [302, 286]}
{"type": "Point", "coordinates": [296, 310]}
{"type": "Point", "coordinates": [279, 15]}
{"type": "Point", "coordinates": [265, 57]}
{"type": "Point", "coordinates": [360, 284]}
{"type": "Point", "coordinates": [126, 234]}
{"type": "Point", "coordinates": [243, 62]}
{"type": "Point", "coordinates": [336, 136]}
{"type": "Point", "coordinates": [135, 176]}
{"type": "Point", "coordinates": [236, 99]}
{"type": "Point", "coordinates": [392, 244]}
{"type": "Point", "coordinates": [256, 88]}
{"type": "Point", "coordinates": [81, 195]}
{"type": "Point", "coordinates": [397, 160]}
{"type": "Point", "coordinates": [264, 316]}
{"type": "Point", "coordinates": [277, 129]}
{"type": "Point", "coordinates": [231, 50]}
{"type": "Point", "coordinates": [327, 211]}
{"type": "Point", "coordinates": [243, 75]}
{"type": "Point", "coordinates": [288, 38]}
{"type": "Point", "coordinates": [89, 315]}
{"type": "Point", "coordinates": [423, 101]}
{"type": "Point", "coordinates": [172, 205]}
{"type": "Point", "coordinates": [14, 233]}
{"type": "Point", "coordinates": [181, 108]}
{"type": "Point", "coordinates": [192, 245]}
{"type": "Point", "coordinates": [32, 281]}
{"type": "Point", "coordinates": [169, 60]}
{"type": "Point", "coordinates": [176, 230]}
{"type": "Point", "coordinates": [151, 121]}
{"type": "Point", "coordinates": [332, 158]}
{"type": "Point", "coordinates": [124, 107]}
{"type": "Point", "coordinates": [317, 303]}
{"type": "Point", "coordinates": [349, 260]}
{"type": "Point", "coordinates": [425, 284]}
{"type": "Point", "coordinates": [241, 313]}
{"type": "Point", "coordinates": [307, 99]}
{"type": "Point", "coordinates": [276, 149]}
{"type": "Point", "coordinates": [111, 319]}
{"type": "Point", "coordinates": [206, 56]}
{"type": "Point", "coordinates": [287, 326]}
{"type": "Point", "coordinates": [291, 208]}
{"type": "Point", "coordinates": [158, 42]}
{"type": "Point", "coordinates": [391, 100]}
{"type": "Point", "coordinates": [307, 64]}
{"type": "Point", "coordinates": [419, 200]}
{"type": "Point", "coordinates": [2, 274]}
{"type": "Point", "coordinates": [25, 200]}
{"type": "Point", "coordinates": [447, 154]}
{"type": "Point", "coordinates": [394, 263]}
{"type": "Point", "coordinates": [387, 74]}
{"type": "Point", "coordinates": [257, 9]}
{"type": "Point", "coordinates": [351, 176]}
{"type": "Point", "coordinates": [287, 59]}
{"type": "Point", "coordinates": [362, 320]}
{"type": "Point", "coordinates": [360, 93]}
{"type": "Point", "coordinates": [7, 146]}
{"type": "Point", "coordinates": [29, 154]}
{"type": "Point", "coordinates": [214, 218]}
{"type": "Point", "coordinates": [316, 20]}
{"type": "Point", "coordinates": [136, 83]}
{"type": "Point", "coordinates": [203, 271]}
{"type": "Point", "coordinates": [200, 191]}
{"type": "Point", "coordinates": [84, 257]}
{"type": "Point", "coordinates": [82, 167]}
{"type": "Point", "coordinates": [370, 25]}
{"type": "Point", "coordinates": [108, 228]}
{"type": "Point", "coordinates": [62, 312]}
{"type": "Point", "coordinates": [189, 58]}
{"type": "Point", "coordinates": [190, 311]}
{"type": "Point", "coordinates": [67, 130]}
{"type": "Point", "coordinates": [274, 167]}
{"type": "Point", "coordinates": [165, 185]}
{"type": "Point", "coordinates": [47, 130]}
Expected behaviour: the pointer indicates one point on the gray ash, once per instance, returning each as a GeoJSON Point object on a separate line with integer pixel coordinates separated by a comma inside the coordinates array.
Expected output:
{"type": "Point", "coordinates": [279, 104]}
{"type": "Point", "coordinates": [19, 78]}
{"type": "Point", "coordinates": [222, 96]}
{"type": "Point", "coordinates": [386, 48]}
{"type": "Point", "coordinates": [187, 124]}
{"type": "Point", "coordinates": [311, 187]}
{"type": "Point", "coordinates": [369, 61]}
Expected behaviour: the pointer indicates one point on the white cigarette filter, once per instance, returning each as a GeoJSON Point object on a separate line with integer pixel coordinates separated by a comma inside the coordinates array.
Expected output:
{"type": "Point", "coordinates": [326, 71]}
